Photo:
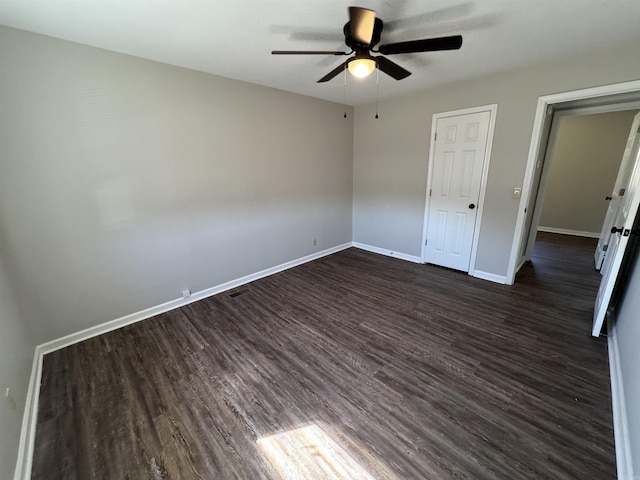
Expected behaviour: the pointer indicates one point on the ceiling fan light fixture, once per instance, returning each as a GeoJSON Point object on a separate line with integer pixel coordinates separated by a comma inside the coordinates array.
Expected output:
{"type": "Point", "coordinates": [361, 35]}
{"type": "Point", "coordinates": [362, 67]}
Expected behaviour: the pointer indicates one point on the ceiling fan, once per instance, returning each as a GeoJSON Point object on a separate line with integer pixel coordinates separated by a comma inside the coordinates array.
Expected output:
{"type": "Point", "coordinates": [362, 34]}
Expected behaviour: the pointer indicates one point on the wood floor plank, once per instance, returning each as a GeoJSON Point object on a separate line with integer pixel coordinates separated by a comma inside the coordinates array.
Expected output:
{"type": "Point", "coordinates": [352, 366]}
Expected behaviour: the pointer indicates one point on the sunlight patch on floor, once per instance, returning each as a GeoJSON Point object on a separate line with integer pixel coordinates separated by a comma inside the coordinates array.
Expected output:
{"type": "Point", "coordinates": [309, 453]}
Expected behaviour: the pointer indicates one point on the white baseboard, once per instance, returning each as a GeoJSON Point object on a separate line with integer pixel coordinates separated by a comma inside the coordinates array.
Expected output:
{"type": "Point", "coordinates": [624, 462]}
{"type": "Point", "coordinates": [412, 258]}
{"type": "Point", "coordinates": [30, 416]}
{"type": "Point", "coordinates": [85, 334]}
{"type": "Point", "coordinates": [29, 420]}
{"type": "Point", "coordinates": [387, 252]}
{"type": "Point", "coordinates": [564, 231]}
{"type": "Point", "coordinates": [492, 277]}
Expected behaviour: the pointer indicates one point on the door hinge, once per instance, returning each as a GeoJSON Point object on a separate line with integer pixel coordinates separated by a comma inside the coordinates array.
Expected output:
{"type": "Point", "coordinates": [425, 242]}
{"type": "Point", "coordinates": [435, 137]}
{"type": "Point", "coordinates": [605, 248]}
{"type": "Point", "coordinates": [430, 190]}
{"type": "Point", "coordinates": [622, 190]}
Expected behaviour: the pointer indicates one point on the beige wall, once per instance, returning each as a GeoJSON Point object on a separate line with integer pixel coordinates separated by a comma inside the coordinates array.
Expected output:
{"type": "Point", "coordinates": [16, 356]}
{"type": "Point", "coordinates": [584, 163]}
{"type": "Point", "coordinates": [124, 181]}
{"type": "Point", "coordinates": [391, 153]}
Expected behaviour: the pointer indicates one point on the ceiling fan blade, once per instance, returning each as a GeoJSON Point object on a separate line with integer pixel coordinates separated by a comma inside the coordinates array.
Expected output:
{"type": "Point", "coordinates": [362, 21]}
{"type": "Point", "coordinates": [307, 52]}
{"type": "Point", "coordinates": [391, 68]}
{"type": "Point", "coordinates": [333, 73]}
{"type": "Point", "coordinates": [426, 45]}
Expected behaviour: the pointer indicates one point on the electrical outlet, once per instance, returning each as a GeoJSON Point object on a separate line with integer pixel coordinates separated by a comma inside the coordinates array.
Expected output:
{"type": "Point", "coordinates": [186, 293]}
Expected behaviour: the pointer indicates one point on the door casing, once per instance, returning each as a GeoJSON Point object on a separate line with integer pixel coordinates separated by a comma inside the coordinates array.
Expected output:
{"type": "Point", "coordinates": [542, 169]}
{"type": "Point", "coordinates": [538, 144]}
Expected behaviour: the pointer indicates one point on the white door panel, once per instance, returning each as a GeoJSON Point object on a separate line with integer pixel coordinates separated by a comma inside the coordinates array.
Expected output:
{"type": "Point", "coordinates": [459, 155]}
{"type": "Point", "coordinates": [621, 185]}
{"type": "Point", "coordinates": [629, 202]}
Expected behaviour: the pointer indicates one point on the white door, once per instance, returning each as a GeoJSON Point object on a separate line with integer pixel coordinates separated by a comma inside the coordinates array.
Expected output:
{"type": "Point", "coordinates": [458, 159]}
{"type": "Point", "coordinates": [618, 242]}
{"type": "Point", "coordinates": [619, 189]}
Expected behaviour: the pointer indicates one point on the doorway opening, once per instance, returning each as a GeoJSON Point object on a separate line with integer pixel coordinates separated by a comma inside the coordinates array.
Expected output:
{"type": "Point", "coordinates": [604, 99]}
{"type": "Point", "coordinates": [577, 175]}
{"type": "Point", "coordinates": [627, 200]}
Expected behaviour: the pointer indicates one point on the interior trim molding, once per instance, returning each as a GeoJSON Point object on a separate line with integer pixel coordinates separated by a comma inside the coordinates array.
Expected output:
{"type": "Point", "coordinates": [520, 265]}
{"type": "Point", "coordinates": [537, 143]}
{"type": "Point", "coordinates": [29, 420]}
{"type": "Point", "coordinates": [565, 231]}
{"type": "Point", "coordinates": [415, 259]}
{"type": "Point", "coordinates": [624, 462]}
{"type": "Point", "coordinates": [492, 277]}
{"type": "Point", "coordinates": [387, 252]}
{"type": "Point", "coordinates": [90, 332]}
{"type": "Point", "coordinates": [30, 415]}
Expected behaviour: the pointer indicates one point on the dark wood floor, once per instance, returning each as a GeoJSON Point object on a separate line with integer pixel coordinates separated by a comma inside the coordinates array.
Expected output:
{"type": "Point", "coordinates": [352, 366]}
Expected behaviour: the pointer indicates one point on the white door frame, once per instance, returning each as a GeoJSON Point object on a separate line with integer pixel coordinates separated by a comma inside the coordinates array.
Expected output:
{"type": "Point", "coordinates": [493, 109]}
{"type": "Point", "coordinates": [542, 185]}
{"type": "Point", "coordinates": [546, 164]}
{"type": "Point", "coordinates": [538, 142]}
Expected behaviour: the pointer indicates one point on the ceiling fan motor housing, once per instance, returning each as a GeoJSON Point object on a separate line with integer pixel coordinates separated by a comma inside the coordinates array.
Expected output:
{"type": "Point", "coordinates": [357, 47]}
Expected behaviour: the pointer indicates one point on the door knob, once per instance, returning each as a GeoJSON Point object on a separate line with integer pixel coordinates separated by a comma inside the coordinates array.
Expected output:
{"type": "Point", "coordinates": [472, 206]}
{"type": "Point", "coordinates": [608, 197]}
{"type": "Point", "coordinates": [616, 230]}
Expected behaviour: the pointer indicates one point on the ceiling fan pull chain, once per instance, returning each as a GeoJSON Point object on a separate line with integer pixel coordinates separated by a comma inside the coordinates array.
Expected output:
{"type": "Point", "coordinates": [344, 100]}
{"type": "Point", "coordinates": [377, 87]}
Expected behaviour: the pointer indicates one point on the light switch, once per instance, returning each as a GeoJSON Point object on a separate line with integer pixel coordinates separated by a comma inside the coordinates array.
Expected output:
{"type": "Point", "coordinates": [517, 192]}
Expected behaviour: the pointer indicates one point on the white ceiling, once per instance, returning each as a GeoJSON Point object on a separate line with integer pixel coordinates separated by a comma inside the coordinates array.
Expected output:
{"type": "Point", "coordinates": [234, 38]}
